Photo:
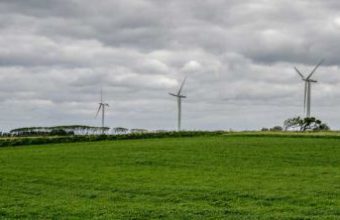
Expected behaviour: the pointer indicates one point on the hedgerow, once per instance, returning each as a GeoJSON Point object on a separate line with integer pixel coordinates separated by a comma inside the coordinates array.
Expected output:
{"type": "Point", "coordinates": [22, 141]}
{"type": "Point", "coordinates": [89, 138]}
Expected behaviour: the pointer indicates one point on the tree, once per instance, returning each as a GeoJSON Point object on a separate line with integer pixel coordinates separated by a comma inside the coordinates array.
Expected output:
{"type": "Point", "coordinates": [305, 124]}
{"type": "Point", "coordinates": [120, 130]}
{"type": "Point", "coordinates": [58, 132]}
{"type": "Point", "coordinates": [138, 130]}
{"type": "Point", "coordinates": [276, 128]}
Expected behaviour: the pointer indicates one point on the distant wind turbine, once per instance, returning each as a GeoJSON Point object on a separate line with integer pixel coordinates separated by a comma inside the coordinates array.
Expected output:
{"type": "Point", "coordinates": [102, 107]}
{"type": "Point", "coordinates": [308, 88]}
{"type": "Point", "coordinates": [179, 97]}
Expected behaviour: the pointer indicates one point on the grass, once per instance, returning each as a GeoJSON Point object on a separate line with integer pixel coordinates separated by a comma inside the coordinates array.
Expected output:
{"type": "Point", "coordinates": [218, 177]}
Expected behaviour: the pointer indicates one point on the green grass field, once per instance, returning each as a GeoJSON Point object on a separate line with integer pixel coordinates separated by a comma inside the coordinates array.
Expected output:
{"type": "Point", "coordinates": [175, 178]}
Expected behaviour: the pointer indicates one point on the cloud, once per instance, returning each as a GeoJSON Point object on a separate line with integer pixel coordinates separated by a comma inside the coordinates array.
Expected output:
{"type": "Point", "coordinates": [238, 56]}
{"type": "Point", "coordinates": [192, 66]}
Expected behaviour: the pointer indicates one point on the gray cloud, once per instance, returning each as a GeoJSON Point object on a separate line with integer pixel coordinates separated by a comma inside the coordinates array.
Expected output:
{"type": "Point", "coordinates": [239, 57]}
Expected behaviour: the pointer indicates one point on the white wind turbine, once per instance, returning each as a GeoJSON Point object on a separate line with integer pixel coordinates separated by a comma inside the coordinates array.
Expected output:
{"type": "Point", "coordinates": [308, 88]}
{"type": "Point", "coordinates": [102, 107]}
{"type": "Point", "coordinates": [179, 97]}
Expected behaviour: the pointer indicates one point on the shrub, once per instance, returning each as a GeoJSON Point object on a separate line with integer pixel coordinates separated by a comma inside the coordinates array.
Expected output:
{"type": "Point", "coordinates": [276, 128]}
{"type": "Point", "coordinates": [305, 124]}
{"type": "Point", "coordinates": [58, 132]}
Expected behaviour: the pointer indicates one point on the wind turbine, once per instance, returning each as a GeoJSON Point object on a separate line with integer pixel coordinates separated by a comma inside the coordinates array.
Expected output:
{"type": "Point", "coordinates": [179, 97]}
{"type": "Point", "coordinates": [308, 88]}
{"type": "Point", "coordinates": [102, 107]}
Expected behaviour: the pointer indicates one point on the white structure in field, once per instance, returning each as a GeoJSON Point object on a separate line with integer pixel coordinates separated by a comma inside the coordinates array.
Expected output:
{"type": "Point", "coordinates": [102, 107]}
{"type": "Point", "coordinates": [308, 88]}
{"type": "Point", "coordinates": [179, 97]}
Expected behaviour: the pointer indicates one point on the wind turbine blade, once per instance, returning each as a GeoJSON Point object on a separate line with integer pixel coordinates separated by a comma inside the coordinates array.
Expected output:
{"type": "Point", "coordinates": [181, 88]}
{"type": "Point", "coordinates": [100, 106]}
{"type": "Point", "coordinates": [101, 95]}
{"type": "Point", "coordinates": [298, 71]}
{"type": "Point", "coordinates": [173, 94]}
{"type": "Point", "coordinates": [317, 66]}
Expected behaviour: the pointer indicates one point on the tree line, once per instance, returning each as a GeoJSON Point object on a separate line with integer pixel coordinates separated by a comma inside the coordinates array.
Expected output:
{"type": "Point", "coordinates": [70, 130]}
{"type": "Point", "coordinates": [291, 124]}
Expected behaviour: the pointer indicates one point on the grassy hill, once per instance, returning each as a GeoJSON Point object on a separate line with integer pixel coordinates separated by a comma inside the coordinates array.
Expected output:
{"type": "Point", "coordinates": [245, 177]}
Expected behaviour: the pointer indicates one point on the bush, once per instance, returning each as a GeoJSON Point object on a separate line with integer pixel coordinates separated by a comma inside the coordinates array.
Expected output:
{"type": "Point", "coordinates": [305, 124]}
{"type": "Point", "coordinates": [58, 132]}
{"type": "Point", "coordinates": [276, 128]}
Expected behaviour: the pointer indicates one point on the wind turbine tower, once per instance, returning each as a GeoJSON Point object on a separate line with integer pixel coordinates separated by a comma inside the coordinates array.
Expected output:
{"type": "Point", "coordinates": [308, 88]}
{"type": "Point", "coordinates": [102, 107]}
{"type": "Point", "coordinates": [179, 97]}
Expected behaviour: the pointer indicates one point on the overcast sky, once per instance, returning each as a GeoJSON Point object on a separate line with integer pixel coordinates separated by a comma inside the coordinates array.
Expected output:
{"type": "Point", "coordinates": [55, 55]}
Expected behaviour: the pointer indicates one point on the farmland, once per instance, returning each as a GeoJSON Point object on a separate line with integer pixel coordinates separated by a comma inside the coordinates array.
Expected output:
{"type": "Point", "coordinates": [213, 177]}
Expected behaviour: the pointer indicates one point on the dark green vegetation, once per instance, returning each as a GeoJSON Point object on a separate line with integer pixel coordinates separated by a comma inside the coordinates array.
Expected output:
{"type": "Point", "coordinates": [305, 124]}
{"type": "Point", "coordinates": [20, 141]}
{"type": "Point", "coordinates": [38, 140]}
{"type": "Point", "coordinates": [216, 177]}
{"type": "Point", "coordinates": [58, 130]}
